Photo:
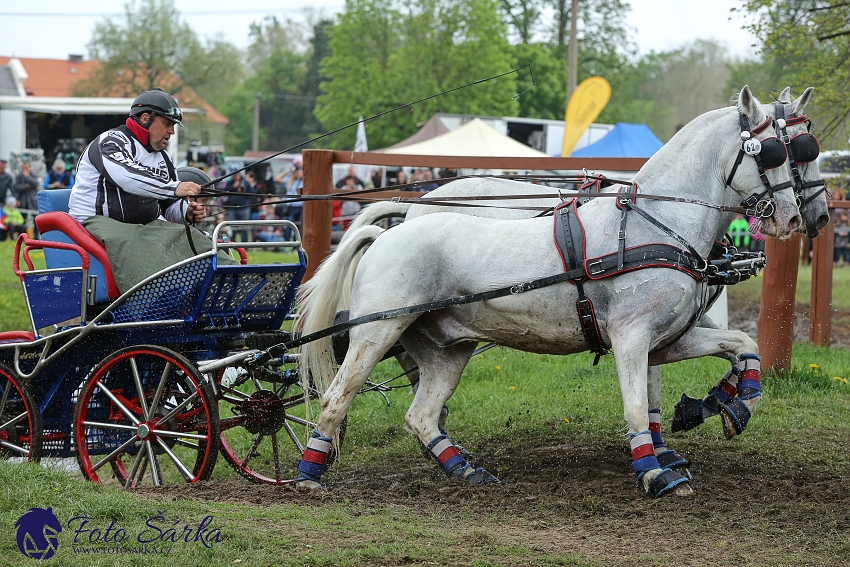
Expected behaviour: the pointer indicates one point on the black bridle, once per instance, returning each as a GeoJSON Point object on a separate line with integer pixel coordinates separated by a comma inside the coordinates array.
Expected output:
{"type": "Point", "coordinates": [802, 149]}
{"type": "Point", "coordinates": [769, 153]}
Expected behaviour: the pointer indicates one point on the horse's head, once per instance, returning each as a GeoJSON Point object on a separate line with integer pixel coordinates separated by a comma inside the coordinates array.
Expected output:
{"type": "Point", "coordinates": [794, 129]}
{"type": "Point", "coordinates": [755, 169]}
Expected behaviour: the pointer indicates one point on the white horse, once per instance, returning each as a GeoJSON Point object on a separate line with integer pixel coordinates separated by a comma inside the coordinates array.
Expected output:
{"type": "Point", "coordinates": [811, 197]}
{"type": "Point", "coordinates": [440, 256]}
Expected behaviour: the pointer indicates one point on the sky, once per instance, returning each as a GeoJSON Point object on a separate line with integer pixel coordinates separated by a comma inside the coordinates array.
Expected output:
{"type": "Point", "coordinates": [53, 29]}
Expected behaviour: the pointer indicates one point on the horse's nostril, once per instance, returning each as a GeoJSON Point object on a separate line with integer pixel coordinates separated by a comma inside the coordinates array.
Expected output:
{"type": "Point", "coordinates": [822, 221]}
{"type": "Point", "coordinates": [795, 222]}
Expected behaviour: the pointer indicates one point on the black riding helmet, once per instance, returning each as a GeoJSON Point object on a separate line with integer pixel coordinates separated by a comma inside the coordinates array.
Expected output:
{"type": "Point", "coordinates": [193, 174]}
{"type": "Point", "coordinates": [157, 101]}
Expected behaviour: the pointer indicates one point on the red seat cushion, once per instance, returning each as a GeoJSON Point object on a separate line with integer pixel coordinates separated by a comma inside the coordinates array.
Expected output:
{"type": "Point", "coordinates": [68, 225]}
{"type": "Point", "coordinates": [16, 337]}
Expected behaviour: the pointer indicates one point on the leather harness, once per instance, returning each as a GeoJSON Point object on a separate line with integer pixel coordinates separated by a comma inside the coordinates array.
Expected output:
{"type": "Point", "coordinates": [569, 235]}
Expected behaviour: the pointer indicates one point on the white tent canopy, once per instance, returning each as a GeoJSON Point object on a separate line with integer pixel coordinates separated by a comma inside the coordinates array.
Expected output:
{"type": "Point", "coordinates": [473, 139]}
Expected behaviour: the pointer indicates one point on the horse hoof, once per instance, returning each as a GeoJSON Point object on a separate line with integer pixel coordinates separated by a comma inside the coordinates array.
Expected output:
{"type": "Point", "coordinates": [307, 484]}
{"type": "Point", "coordinates": [683, 489]}
{"type": "Point", "coordinates": [479, 477]}
{"type": "Point", "coordinates": [735, 415]}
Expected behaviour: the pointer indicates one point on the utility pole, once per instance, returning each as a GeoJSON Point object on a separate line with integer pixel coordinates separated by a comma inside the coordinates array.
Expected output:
{"type": "Point", "coordinates": [572, 54]}
{"type": "Point", "coordinates": [255, 140]}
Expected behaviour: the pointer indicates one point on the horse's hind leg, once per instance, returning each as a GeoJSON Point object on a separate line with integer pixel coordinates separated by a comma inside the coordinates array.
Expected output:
{"type": "Point", "coordinates": [630, 351]}
{"type": "Point", "coordinates": [366, 349]}
{"type": "Point", "coordinates": [739, 390]}
{"type": "Point", "coordinates": [440, 369]}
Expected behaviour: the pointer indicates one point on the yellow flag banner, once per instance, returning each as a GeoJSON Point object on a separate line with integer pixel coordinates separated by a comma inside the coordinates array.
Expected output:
{"type": "Point", "coordinates": [587, 101]}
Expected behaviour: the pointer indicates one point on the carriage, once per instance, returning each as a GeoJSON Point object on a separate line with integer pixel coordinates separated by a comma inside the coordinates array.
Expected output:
{"type": "Point", "coordinates": [149, 385]}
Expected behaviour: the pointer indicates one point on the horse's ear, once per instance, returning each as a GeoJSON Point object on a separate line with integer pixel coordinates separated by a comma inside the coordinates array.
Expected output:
{"type": "Point", "coordinates": [750, 106]}
{"type": "Point", "coordinates": [785, 95]}
{"type": "Point", "coordinates": [800, 103]}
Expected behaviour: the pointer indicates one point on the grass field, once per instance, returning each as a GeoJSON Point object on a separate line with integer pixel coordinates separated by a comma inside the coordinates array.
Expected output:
{"type": "Point", "coordinates": [550, 427]}
{"type": "Point", "coordinates": [508, 403]}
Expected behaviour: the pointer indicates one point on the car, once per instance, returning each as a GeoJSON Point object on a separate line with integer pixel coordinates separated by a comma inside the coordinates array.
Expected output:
{"type": "Point", "coordinates": [834, 167]}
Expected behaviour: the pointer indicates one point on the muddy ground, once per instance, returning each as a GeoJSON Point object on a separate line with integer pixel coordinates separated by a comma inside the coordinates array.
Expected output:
{"type": "Point", "coordinates": [750, 507]}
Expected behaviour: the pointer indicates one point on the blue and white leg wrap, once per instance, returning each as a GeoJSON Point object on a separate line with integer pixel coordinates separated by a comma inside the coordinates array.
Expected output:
{"type": "Point", "coordinates": [667, 458]}
{"type": "Point", "coordinates": [454, 463]}
{"type": "Point", "coordinates": [644, 460]}
{"type": "Point", "coordinates": [749, 366]}
{"type": "Point", "coordinates": [655, 429]}
{"type": "Point", "coordinates": [725, 390]}
{"type": "Point", "coordinates": [737, 411]}
{"type": "Point", "coordinates": [447, 455]}
{"type": "Point", "coordinates": [643, 453]}
{"type": "Point", "coordinates": [315, 458]}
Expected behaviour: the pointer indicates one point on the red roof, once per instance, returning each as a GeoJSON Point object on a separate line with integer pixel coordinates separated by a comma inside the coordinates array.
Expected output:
{"type": "Point", "coordinates": [57, 77]}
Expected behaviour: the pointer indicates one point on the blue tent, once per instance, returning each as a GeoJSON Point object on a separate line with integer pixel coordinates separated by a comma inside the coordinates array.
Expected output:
{"type": "Point", "coordinates": [624, 140]}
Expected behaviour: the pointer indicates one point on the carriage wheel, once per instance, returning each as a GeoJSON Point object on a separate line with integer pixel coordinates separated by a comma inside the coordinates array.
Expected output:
{"type": "Point", "coordinates": [20, 420]}
{"type": "Point", "coordinates": [263, 424]}
{"type": "Point", "coordinates": [147, 413]}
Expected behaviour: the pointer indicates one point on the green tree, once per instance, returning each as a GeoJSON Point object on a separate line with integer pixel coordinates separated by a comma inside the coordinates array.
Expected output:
{"type": "Point", "coordinates": [288, 82]}
{"type": "Point", "coordinates": [152, 47]}
{"type": "Point", "coordinates": [811, 39]}
{"type": "Point", "coordinates": [271, 36]}
{"type": "Point", "coordinates": [523, 16]}
{"type": "Point", "coordinates": [386, 53]}
{"type": "Point", "coordinates": [547, 99]}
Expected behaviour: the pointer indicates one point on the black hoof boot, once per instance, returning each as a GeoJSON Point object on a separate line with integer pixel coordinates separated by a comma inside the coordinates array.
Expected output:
{"type": "Point", "coordinates": [688, 414]}
{"type": "Point", "coordinates": [670, 459]}
{"type": "Point", "coordinates": [664, 482]}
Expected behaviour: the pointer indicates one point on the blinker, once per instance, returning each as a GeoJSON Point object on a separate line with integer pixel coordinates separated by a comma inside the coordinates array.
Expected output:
{"type": "Point", "coordinates": [805, 148]}
{"type": "Point", "coordinates": [773, 153]}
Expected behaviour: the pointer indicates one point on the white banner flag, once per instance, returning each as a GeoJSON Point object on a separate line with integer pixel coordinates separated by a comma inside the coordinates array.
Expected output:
{"type": "Point", "coordinates": [360, 145]}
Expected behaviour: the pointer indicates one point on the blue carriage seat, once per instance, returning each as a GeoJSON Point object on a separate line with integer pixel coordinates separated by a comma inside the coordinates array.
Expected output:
{"type": "Point", "coordinates": [55, 224]}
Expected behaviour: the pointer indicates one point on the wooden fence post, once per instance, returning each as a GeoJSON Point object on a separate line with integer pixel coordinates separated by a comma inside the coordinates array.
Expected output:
{"type": "Point", "coordinates": [776, 317]}
{"type": "Point", "coordinates": [820, 314]}
{"type": "Point", "coordinates": [316, 223]}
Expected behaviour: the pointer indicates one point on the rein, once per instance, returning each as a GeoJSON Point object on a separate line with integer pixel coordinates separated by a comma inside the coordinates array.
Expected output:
{"type": "Point", "coordinates": [468, 201]}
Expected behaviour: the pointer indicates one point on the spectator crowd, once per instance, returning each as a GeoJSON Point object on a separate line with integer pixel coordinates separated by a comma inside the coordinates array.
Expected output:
{"type": "Point", "coordinates": [18, 193]}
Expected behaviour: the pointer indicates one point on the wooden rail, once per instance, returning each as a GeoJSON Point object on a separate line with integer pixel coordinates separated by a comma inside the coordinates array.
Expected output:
{"type": "Point", "coordinates": [318, 180]}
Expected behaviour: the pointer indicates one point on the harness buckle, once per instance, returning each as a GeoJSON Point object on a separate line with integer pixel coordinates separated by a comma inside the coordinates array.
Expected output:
{"type": "Point", "coordinates": [590, 266]}
{"type": "Point", "coordinates": [621, 235]}
{"type": "Point", "coordinates": [519, 288]}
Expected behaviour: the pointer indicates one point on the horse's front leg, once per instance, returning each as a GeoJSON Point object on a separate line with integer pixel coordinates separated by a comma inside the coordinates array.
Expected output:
{"type": "Point", "coordinates": [630, 350]}
{"type": "Point", "coordinates": [667, 458]}
{"type": "Point", "coordinates": [739, 390]}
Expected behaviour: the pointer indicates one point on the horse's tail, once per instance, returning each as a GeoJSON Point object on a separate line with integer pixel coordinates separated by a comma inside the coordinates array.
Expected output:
{"type": "Point", "coordinates": [326, 293]}
{"type": "Point", "coordinates": [373, 213]}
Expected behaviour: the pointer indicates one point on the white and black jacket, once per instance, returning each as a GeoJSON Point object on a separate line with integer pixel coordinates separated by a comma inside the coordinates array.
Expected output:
{"type": "Point", "coordinates": [119, 177]}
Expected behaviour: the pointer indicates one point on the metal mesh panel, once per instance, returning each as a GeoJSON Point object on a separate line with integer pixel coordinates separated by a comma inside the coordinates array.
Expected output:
{"type": "Point", "coordinates": [169, 296]}
{"type": "Point", "coordinates": [265, 307]}
{"type": "Point", "coordinates": [274, 292]}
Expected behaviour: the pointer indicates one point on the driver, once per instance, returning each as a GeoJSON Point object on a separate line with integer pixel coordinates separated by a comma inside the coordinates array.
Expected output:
{"type": "Point", "coordinates": [129, 196]}
{"type": "Point", "coordinates": [125, 173]}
